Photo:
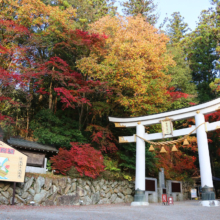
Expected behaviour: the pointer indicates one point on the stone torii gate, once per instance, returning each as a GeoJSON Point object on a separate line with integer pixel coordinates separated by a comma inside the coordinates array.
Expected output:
{"type": "Point", "coordinates": [198, 112]}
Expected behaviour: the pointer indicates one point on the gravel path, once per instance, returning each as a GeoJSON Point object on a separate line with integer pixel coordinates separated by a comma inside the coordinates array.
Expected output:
{"type": "Point", "coordinates": [189, 210]}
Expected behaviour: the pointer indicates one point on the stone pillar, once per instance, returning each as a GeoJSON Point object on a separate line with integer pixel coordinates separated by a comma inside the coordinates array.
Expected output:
{"type": "Point", "coordinates": [161, 178]}
{"type": "Point", "coordinates": [139, 197]}
{"type": "Point", "coordinates": [161, 189]}
{"type": "Point", "coordinates": [208, 195]}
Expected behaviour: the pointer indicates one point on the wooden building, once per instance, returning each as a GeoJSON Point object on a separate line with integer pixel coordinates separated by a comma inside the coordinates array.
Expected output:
{"type": "Point", "coordinates": [38, 154]}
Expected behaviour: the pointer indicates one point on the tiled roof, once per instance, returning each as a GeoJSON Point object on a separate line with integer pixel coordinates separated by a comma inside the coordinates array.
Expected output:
{"type": "Point", "coordinates": [30, 145]}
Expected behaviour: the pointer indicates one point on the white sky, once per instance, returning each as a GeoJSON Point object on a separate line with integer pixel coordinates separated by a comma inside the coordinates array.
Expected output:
{"type": "Point", "coordinates": [189, 9]}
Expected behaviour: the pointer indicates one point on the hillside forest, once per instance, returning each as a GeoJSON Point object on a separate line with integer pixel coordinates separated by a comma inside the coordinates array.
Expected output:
{"type": "Point", "coordinates": [66, 65]}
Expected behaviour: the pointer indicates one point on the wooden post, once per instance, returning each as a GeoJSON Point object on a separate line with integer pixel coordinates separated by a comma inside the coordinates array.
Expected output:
{"type": "Point", "coordinates": [13, 198]}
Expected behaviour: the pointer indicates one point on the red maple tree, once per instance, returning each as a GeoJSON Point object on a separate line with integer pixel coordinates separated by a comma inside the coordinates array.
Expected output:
{"type": "Point", "coordinates": [11, 56]}
{"type": "Point", "coordinates": [83, 157]}
{"type": "Point", "coordinates": [103, 137]}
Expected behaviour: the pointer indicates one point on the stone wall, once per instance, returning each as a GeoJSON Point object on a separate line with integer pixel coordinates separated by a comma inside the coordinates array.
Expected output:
{"type": "Point", "coordinates": [66, 191]}
{"type": "Point", "coordinates": [187, 186]}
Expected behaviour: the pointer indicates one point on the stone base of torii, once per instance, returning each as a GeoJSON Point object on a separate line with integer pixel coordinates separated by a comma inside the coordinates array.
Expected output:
{"type": "Point", "coordinates": [208, 195]}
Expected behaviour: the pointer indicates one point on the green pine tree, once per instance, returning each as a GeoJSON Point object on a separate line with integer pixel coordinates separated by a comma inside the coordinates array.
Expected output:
{"type": "Point", "coordinates": [181, 74]}
{"type": "Point", "coordinates": [146, 8]}
{"type": "Point", "coordinates": [176, 28]}
{"type": "Point", "coordinates": [201, 52]}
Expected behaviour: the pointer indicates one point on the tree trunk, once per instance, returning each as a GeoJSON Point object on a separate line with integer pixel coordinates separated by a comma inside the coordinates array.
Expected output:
{"type": "Point", "coordinates": [55, 105]}
{"type": "Point", "coordinates": [28, 120]}
{"type": "Point", "coordinates": [29, 99]}
{"type": "Point", "coordinates": [40, 98]}
{"type": "Point", "coordinates": [50, 94]}
{"type": "Point", "coordinates": [80, 117]}
{"type": "Point", "coordinates": [81, 114]}
{"type": "Point", "coordinates": [51, 97]}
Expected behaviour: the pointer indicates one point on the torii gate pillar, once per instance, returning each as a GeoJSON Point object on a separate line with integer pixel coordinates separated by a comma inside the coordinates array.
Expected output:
{"type": "Point", "coordinates": [140, 197]}
{"type": "Point", "coordinates": [204, 161]}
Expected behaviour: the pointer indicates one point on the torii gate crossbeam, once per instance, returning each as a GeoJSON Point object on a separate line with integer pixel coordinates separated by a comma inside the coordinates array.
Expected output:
{"type": "Point", "coordinates": [198, 113]}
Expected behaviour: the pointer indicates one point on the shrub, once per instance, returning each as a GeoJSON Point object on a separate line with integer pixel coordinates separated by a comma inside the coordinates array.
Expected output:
{"type": "Point", "coordinates": [83, 157]}
{"type": "Point", "coordinates": [73, 173]}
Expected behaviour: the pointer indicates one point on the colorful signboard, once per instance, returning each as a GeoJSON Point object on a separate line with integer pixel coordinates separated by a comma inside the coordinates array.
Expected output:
{"type": "Point", "coordinates": [12, 164]}
{"type": "Point", "coordinates": [193, 193]}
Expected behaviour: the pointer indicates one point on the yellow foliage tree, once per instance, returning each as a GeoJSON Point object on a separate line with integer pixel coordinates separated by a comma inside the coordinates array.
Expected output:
{"type": "Point", "coordinates": [37, 15]}
{"type": "Point", "coordinates": [135, 61]}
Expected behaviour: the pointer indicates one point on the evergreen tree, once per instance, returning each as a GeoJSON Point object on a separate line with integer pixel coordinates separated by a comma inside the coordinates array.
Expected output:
{"type": "Point", "coordinates": [87, 11]}
{"type": "Point", "coordinates": [216, 15]}
{"type": "Point", "coordinates": [146, 8]}
{"type": "Point", "coordinates": [202, 56]}
{"type": "Point", "coordinates": [176, 28]}
{"type": "Point", "coordinates": [181, 74]}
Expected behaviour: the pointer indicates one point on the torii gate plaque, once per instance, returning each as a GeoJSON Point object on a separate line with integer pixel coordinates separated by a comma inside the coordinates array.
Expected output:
{"type": "Point", "coordinates": [198, 112]}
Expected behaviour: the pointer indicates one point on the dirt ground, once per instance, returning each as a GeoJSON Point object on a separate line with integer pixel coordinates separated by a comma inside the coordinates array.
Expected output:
{"type": "Point", "coordinates": [180, 210]}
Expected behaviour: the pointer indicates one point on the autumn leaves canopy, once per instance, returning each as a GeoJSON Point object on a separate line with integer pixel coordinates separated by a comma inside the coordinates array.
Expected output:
{"type": "Point", "coordinates": [60, 77]}
{"type": "Point", "coordinates": [128, 53]}
{"type": "Point", "coordinates": [134, 61]}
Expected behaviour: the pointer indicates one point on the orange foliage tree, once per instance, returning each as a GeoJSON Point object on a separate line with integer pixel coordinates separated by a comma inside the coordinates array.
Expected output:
{"type": "Point", "coordinates": [37, 15]}
{"type": "Point", "coordinates": [181, 164]}
{"type": "Point", "coordinates": [134, 61]}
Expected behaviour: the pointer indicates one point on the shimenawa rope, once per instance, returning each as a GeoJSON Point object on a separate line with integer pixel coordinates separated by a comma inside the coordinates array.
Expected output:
{"type": "Point", "coordinates": [170, 142]}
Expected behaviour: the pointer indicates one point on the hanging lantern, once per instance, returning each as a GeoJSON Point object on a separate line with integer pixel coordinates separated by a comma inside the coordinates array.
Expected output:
{"type": "Point", "coordinates": [185, 143]}
{"type": "Point", "coordinates": [151, 148]}
{"type": "Point", "coordinates": [174, 149]}
{"type": "Point", "coordinates": [163, 150]}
